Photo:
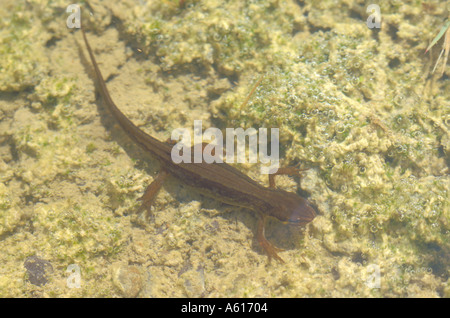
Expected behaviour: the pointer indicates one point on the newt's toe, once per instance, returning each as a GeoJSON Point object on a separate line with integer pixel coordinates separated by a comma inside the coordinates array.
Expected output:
{"type": "Point", "coordinates": [271, 250]}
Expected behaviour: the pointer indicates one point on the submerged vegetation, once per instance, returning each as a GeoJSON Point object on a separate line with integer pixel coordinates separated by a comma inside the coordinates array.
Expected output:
{"type": "Point", "coordinates": [445, 31]}
{"type": "Point", "coordinates": [354, 105]}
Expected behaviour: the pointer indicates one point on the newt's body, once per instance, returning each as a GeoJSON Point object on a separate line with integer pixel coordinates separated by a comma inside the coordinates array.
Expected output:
{"type": "Point", "coordinates": [218, 180]}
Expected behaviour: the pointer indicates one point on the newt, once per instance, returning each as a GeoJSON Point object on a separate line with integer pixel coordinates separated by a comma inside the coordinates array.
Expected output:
{"type": "Point", "coordinates": [218, 180]}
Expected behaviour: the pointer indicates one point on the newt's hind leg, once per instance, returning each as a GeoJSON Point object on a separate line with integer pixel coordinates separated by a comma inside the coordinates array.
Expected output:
{"type": "Point", "coordinates": [152, 190]}
{"type": "Point", "coordinates": [268, 247]}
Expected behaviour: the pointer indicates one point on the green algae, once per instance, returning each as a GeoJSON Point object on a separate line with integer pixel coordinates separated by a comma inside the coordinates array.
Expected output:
{"type": "Point", "coordinates": [352, 104]}
{"type": "Point", "coordinates": [18, 70]}
{"type": "Point", "coordinates": [229, 35]}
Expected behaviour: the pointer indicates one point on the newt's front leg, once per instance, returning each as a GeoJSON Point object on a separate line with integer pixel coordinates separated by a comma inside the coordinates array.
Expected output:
{"type": "Point", "coordinates": [268, 247]}
{"type": "Point", "coordinates": [291, 171]}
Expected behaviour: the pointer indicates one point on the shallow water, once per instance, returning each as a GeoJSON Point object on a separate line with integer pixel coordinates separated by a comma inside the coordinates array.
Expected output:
{"type": "Point", "coordinates": [355, 104]}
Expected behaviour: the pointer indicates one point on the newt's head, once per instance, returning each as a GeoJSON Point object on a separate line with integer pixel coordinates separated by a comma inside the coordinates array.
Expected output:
{"type": "Point", "coordinates": [290, 208]}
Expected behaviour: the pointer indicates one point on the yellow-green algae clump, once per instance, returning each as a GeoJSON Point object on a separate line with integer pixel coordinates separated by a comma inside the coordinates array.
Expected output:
{"type": "Point", "coordinates": [352, 104]}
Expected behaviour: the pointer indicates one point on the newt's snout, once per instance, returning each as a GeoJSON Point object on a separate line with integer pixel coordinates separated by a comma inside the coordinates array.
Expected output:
{"type": "Point", "coordinates": [291, 208]}
{"type": "Point", "coordinates": [302, 214]}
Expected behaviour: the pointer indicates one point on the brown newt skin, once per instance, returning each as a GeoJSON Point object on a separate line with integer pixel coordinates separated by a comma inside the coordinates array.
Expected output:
{"type": "Point", "coordinates": [217, 180]}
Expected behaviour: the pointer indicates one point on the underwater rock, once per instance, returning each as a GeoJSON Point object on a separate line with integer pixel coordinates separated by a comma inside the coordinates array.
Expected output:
{"type": "Point", "coordinates": [38, 270]}
{"type": "Point", "coordinates": [127, 279]}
